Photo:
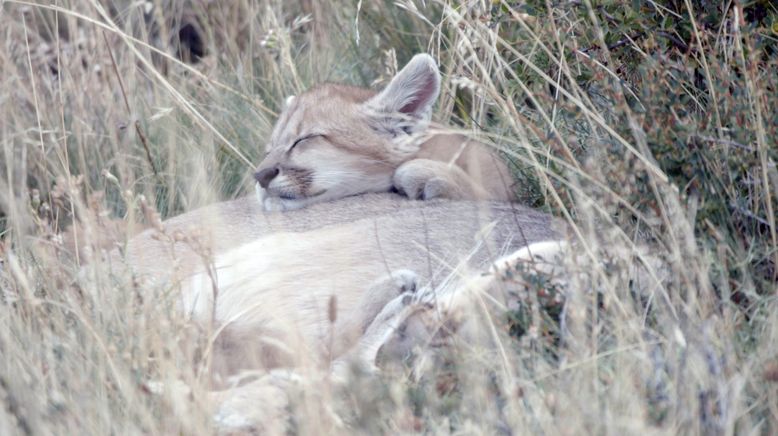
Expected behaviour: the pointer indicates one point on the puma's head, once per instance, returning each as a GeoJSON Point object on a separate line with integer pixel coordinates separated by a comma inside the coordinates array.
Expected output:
{"type": "Point", "coordinates": [334, 141]}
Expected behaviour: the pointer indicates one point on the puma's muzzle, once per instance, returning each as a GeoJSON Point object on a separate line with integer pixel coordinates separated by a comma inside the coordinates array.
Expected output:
{"type": "Point", "coordinates": [265, 176]}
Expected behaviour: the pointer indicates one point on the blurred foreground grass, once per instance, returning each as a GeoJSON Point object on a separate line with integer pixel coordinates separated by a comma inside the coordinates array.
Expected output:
{"type": "Point", "coordinates": [637, 121]}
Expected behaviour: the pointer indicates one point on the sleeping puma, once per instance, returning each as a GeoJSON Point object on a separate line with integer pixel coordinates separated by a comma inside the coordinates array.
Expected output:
{"type": "Point", "coordinates": [274, 274]}
{"type": "Point", "coordinates": [335, 141]}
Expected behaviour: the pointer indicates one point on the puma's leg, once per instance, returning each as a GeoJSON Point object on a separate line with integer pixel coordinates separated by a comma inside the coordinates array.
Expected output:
{"type": "Point", "coordinates": [383, 292]}
{"type": "Point", "coordinates": [350, 327]}
{"type": "Point", "coordinates": [426, 179]}
{"type": "Point", "coordinates": [384, 327]}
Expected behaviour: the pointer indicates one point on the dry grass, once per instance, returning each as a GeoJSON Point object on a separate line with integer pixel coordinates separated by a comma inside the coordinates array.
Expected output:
{"type": "Point", "coordinates": [640, 126]}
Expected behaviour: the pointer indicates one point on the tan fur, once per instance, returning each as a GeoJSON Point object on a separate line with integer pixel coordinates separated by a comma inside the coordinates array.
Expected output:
{"type": "Point", "coordinates": [327, 284]}
{"type": "Point", "coordinates": [276, 273]}
{"type": "Point", "coordinates": [432, 319]}
{"type": "Point", "coordinates": [351, 140]}
{"type": "Point", "coordinates": [459, 306]}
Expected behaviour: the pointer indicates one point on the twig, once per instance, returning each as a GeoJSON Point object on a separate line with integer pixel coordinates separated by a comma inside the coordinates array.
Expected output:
{"type": "Point", "coordinates": [624, 41]}
{"type": "Point", "coordinates": [726, 142]}
{"type": "Point", "coordinates": [34, 92]}
{"type": "Point", "coordinates": [677, 42]}
{"type": "Point", "coordinates": [138, 130]}
{"type": "Point", "coordinates": [748, 214]}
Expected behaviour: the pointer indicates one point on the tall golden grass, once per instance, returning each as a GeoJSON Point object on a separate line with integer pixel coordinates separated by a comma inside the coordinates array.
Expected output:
{"type": "Point", "coordinates": [641, 124]}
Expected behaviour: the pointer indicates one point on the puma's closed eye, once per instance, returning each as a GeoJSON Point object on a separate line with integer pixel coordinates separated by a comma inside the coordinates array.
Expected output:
{"type": "Point", "coordinates": [304, 138]}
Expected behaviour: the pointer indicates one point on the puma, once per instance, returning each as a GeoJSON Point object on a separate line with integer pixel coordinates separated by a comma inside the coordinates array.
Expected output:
{"type": "Point", "coordinates": [335, 141]}
{"type": "Point", "coordinates": [460, 311]}
{"type": "Point", "coordinates": [267, 280]}
{"type": "Point", "coordinates": [327, 285]}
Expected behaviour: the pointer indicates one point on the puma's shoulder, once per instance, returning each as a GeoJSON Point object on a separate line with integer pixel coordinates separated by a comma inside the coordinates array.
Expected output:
{"type": "Point", "coordinates": [471, 168]}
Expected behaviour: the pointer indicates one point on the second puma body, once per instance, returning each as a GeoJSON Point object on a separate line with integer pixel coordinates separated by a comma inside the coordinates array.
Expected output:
{"type": "Point", "coordinates": [309, 277]}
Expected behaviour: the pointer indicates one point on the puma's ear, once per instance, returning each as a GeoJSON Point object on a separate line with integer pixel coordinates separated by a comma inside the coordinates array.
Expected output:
{"type": "Point", "coordinates": [412, 92]}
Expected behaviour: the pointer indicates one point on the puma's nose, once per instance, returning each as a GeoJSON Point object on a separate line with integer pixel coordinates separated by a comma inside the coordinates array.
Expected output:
{"type": "Point", "coordinates": [263, 177]}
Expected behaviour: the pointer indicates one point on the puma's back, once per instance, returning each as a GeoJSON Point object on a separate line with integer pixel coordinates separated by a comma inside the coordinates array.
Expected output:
{"type": "Point", "coordinates": [335, 141]}
{"type": "Point", "coordinates": [390, 225]}
{"type": "Point", "coordinates": [272, 276]}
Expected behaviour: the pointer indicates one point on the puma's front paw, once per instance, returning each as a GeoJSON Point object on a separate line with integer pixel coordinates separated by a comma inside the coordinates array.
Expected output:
{"type": "Point", "coordinates": [424, 179]}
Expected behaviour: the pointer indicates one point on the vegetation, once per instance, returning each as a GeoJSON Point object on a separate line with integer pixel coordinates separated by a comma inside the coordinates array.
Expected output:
{"type": "Point", "coordinates": [644, 124]}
